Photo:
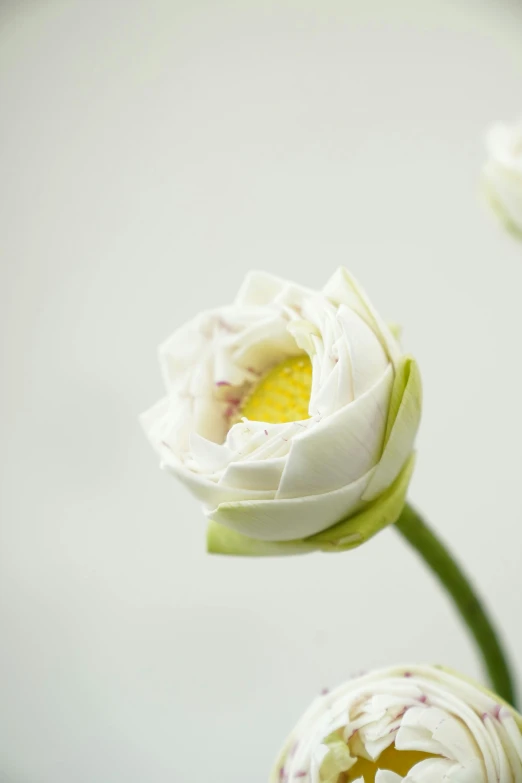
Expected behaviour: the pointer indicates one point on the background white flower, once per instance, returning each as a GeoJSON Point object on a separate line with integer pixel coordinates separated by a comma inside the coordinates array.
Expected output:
{"type": "Point", "coordinates": [419, 724]}
{"type": "Point", "coordinates": [503, 174]}
{"type": "Point", "coordinates": [286, 413]}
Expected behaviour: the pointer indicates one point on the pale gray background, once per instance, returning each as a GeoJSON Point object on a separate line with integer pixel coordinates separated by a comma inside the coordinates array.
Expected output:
{"type": "Point", "coordinates": [152, 153]}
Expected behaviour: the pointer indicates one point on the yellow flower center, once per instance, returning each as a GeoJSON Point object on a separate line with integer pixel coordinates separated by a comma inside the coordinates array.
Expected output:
{"type": "Point", "coordinates": [399, 761]}
{"type": "Point", "coordinates": [283, 394]}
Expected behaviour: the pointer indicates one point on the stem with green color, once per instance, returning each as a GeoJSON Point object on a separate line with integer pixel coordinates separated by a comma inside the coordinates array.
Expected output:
{"type": "Point", "coordinates": [435, 554]}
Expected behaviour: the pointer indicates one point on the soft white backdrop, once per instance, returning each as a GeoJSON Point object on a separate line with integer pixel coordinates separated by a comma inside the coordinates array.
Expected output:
{"type": "Point", "coordinates": [152, 153]}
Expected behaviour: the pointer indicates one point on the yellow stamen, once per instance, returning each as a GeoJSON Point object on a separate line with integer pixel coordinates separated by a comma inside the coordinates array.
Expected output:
{"type": "Point", "coordinates": [399, 761]}
{"type": "Point", "coordinates": [283, 394]}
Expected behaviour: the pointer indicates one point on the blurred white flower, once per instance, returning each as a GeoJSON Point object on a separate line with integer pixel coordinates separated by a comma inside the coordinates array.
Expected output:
{"type": "Point", "coordinates": [503, 174]}
{"type": "Point", "coordinates": [418, 724]}
{"type": "Point", "coordinates": [291, 414]}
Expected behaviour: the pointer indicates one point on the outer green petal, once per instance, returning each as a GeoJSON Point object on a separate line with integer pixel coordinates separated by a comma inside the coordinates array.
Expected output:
{"type": "Point", "coordinates": [401, 428]}
{"type": "Point", "coordinates": [221, 540]}
{"type": "Point", "coordinates": [355, 530]}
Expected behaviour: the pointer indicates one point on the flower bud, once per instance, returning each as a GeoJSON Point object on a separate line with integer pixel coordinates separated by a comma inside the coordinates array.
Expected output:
{"type": "Point", "coordinates": [419, 724]}
{"type": "Point", "coordinates": [291, 415]}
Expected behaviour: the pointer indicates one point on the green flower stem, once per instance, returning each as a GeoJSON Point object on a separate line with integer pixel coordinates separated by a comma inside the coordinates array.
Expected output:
{"type": "Point", "coordinates": [415, 530]}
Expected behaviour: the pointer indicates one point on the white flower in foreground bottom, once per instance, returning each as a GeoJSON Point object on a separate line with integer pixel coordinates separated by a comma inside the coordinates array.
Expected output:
{"type": "Point", "coordinates": [418, 724]}
{"type": "Point", "coordinates": [291, 414]}
{"type": "Point", "coordinates": [503, 174]}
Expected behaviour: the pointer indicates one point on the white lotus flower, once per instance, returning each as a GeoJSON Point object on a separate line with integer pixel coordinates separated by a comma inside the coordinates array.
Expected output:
{"type": "Point", "coordinates": [418, 724]}
{"type": "Point", "coordinates": [291, 415]}
{"type": "Point", "coordinates": [503, 174]}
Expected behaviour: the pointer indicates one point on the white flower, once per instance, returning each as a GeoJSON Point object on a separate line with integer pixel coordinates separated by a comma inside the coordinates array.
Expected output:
{"type": "Point", "coordinates": [503, 174]}
{"type": "Point", "coordinates": [418, 724]}
{"type": "Point", "coordinates": [291, 415]}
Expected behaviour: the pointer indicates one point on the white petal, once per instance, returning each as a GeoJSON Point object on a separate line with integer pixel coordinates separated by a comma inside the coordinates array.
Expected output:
{"type": "Point", "coordinates": [209, 457]}
{"type": "Point", "coordinates": [253, 475]}
{"type": "Point", "coordinates": [342, 288]}
{"type": "Point", "coordinates": [368, 358]}
{"type": "Point", "coordinates": [435, 731]}
{"type": "Point", "coordinates": [169, 426]}
{"type": "Point", "coordinates": [259, 289]}
{"type": "Point", "coordinates": [183, 349]}
{"type": "Point", "coordinates": [386, 776]}
{"type": "Point", "coordinates": [435, 771]}
{"type": "Point", "coordinates": [513, 739]}
{"type": "Point", "coordinates": [341, 448]}
{"type": "Point", "coordinates": [265, 343]}
{"type": "Point", "coordinates": [151, 420]}
{"type": "Point", "coordinates": [303, 332]}
{"type": "Point", "coordinates": [212, 494]}
{"type": "Point", "coordinates": [285, 520]}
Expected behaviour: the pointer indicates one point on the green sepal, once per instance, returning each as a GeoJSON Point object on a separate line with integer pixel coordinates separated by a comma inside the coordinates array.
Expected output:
{"type": "Point", "coordinates": [375, 516]}
{"type": "Point", "coordinates": [222, 540]}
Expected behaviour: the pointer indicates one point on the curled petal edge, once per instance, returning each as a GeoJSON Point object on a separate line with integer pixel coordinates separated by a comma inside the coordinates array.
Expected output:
{"type": "Point", "coordinates": [517, 717]}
